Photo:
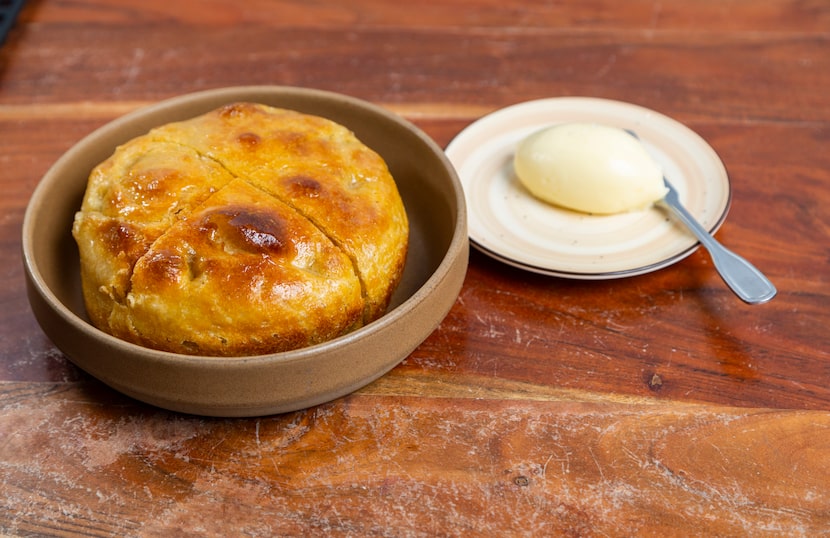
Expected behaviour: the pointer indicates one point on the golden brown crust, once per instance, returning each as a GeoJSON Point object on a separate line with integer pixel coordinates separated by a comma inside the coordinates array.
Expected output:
{"type": "Point", "coordinates": [247, 230]}
{"type": "Point", "coordinates": [319, 168]}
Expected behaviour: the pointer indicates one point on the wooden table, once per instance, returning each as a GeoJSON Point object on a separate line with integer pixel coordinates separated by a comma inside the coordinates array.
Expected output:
{"type": "Point", "coordinates": [656, 405]}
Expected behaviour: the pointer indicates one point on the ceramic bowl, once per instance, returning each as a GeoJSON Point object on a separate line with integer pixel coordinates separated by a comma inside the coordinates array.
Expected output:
{"type": "Point", "coordinates": [265, 384]}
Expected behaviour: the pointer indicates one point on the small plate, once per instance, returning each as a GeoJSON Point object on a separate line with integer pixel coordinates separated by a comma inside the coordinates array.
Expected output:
{"type": "Point", "coordinates": [509, 224]}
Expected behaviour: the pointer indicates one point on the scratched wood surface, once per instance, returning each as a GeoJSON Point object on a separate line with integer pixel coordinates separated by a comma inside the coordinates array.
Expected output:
{"type": "Point", "coordinates": [658, 405]}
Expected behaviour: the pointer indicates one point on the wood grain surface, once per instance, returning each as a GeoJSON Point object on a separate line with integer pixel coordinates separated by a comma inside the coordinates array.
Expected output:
{"type": "Point", "coordinates": [657, 405]}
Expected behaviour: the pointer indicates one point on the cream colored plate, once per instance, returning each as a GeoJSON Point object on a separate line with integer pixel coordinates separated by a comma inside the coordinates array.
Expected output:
{"type": "Point", "coordinates": [509, 224]}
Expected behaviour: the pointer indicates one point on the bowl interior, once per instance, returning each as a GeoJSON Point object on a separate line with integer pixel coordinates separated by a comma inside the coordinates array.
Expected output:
{"type": "Point", "coordinates": [430, 190]}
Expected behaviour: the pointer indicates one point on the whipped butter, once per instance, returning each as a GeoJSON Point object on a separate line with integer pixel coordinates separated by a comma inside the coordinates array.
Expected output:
{"type": "Point", "coordinates": [590, 168]}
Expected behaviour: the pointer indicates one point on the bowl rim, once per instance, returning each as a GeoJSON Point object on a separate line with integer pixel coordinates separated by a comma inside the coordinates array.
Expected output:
{"type": "Point", "coordinates": [458, 243]}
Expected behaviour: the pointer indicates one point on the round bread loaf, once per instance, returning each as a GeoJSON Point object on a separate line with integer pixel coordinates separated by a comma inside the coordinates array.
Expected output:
{"type": "Point", "coordinates": [244, 231]}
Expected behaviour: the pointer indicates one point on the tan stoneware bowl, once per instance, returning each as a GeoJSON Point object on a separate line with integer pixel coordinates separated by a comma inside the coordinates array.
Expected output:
{"type": "Point", "coordinates": [267, 384]}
